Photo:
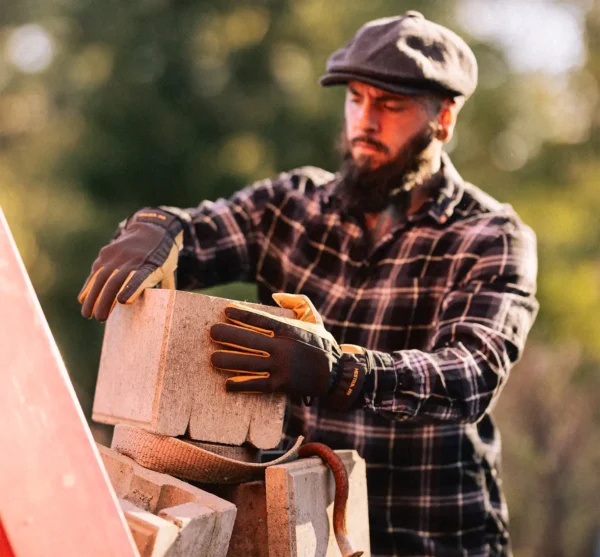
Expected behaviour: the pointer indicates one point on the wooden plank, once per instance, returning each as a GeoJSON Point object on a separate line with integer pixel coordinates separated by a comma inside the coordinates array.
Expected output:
{"type": "Point", "coordinates": [5, 548]}
{"type": "Point", "coordinates": [56, 497]}
{"type": "Point", "coordinates": [155, 373]}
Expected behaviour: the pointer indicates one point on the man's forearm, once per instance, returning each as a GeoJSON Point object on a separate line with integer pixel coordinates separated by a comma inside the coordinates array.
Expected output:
{"type": "Point", "coordinates": [455, 383]}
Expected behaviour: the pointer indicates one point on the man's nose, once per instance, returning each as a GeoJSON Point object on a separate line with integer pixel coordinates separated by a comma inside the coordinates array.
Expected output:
{"type": "Point", "coordinates": [368, 119]}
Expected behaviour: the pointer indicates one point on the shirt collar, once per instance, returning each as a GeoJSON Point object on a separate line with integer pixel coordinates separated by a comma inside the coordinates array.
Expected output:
{"type": "Point", "coordinates": [440, 207]}
{"type": "Point", "coordinates": [446, 198]}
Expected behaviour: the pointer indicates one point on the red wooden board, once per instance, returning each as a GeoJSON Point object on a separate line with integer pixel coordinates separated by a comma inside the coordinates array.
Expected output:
{"type": "Point", "coordinates": [5, 549]}
{"type": "Point", "coordinates": [55, 496]}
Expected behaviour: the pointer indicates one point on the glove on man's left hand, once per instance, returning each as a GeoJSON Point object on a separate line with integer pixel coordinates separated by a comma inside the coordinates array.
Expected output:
{"type": "Point", "coordinates": [295, 356]}
{"type": "Point", "coordinates": [142, 256]}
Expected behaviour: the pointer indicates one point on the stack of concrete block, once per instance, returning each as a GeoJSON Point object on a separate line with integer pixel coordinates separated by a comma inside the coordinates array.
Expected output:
{"type": "Point", "coordinates": [169, 517]}
{"type": "Point", "coordinates": [155, 373]}
{"type": "Point", "coordinates": [290, 514]}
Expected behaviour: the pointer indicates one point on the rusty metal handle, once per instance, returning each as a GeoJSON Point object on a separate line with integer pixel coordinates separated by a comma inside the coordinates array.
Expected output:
{"type": "Point", "coordinates": [340, 500]}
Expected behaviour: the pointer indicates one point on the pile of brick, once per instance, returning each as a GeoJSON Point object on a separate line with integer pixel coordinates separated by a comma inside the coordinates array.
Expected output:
{"type": "Point", "coordinates": [175, 421]}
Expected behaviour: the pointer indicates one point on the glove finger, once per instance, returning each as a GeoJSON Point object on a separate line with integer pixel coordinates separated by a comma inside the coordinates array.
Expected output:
{"type": "Point", "coordinates": [149, 275]}
{"type": "Point", "coordinates": [93, 291]}
{"type": "Point", "coordinates": [272, 325]}
{"type": "Point", "coordinates": [240, 337]}
{"type": "Point", "coordinates": [245, 384]}
{"type": "Point", "coordinates": [107, 298]}
{"type": "Point", "coordinates": [230, 360]}
{"type": "Point", "coordinates": [307, 333]}
{"type": "Point", "coordinates": [88, 285]}
{"type": "Point", "coordinates": [260, 322]}
{"type": "Point", "coordinates": [136, 283]}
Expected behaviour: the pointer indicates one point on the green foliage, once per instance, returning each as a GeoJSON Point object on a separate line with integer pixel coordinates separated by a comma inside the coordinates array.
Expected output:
{"type": "Point", "coordinates": [156, 102]}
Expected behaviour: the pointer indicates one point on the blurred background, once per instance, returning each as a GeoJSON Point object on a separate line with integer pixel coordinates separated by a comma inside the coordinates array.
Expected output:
{"type": "Point", "coordinates": [106, 107]}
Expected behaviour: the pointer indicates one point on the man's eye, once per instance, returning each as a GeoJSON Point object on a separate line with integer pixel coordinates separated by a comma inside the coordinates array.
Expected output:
{"type": "Point", "coordinates": [394, 107]}
{"type": "Point", "coordinates": [354, 99]}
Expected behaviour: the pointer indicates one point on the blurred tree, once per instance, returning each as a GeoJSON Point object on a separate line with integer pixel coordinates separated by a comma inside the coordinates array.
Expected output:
{"type": "Point", "coordinates": [549, 421]}
{"type": "Point", "coordinates": [107, 107]}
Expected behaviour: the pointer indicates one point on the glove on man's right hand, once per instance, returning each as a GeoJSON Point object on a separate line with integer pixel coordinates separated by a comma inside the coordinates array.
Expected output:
{"type": "Point", "coordinates": [144, 255]}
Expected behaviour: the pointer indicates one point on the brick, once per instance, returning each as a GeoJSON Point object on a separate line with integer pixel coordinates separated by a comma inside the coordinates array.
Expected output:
{"type": "Point", "coordinates": [155, 373]}
{"type": "Point", "coordinates": [249, 537]}
{"type": "Point", "coordinates": [153, 535]}
{"type": "Point", "coordinates": [196, 524]}
{"type": "Point", "coordinates": [186, 506]}
{"type": "Point", "coordinates": [299, 499]}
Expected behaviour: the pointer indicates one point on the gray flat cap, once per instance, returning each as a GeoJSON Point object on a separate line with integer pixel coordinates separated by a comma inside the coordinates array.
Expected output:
{"type": "Point", "coordinates": [406, 54]}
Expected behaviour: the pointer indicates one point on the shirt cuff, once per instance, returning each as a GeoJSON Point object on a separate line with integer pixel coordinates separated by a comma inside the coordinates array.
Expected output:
{"type": "Point", "coordinates": [390, 387]}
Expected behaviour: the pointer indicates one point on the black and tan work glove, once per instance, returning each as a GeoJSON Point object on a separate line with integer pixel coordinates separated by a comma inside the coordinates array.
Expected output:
{"type": "Point", "coordinates": [295, 356]}
{"type": "Point", "coordinates": [144, 255]}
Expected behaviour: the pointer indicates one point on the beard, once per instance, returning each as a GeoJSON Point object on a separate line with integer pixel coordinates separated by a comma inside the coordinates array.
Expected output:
{"type": "Point", "coordinates": [365, 189]}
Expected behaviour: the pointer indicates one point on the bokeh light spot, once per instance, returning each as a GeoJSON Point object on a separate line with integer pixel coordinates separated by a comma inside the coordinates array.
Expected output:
{"type": "Point", "coordinates": [30, 48]}
{"type": "Point", "coordinates": [245, 26]}
{"type": "Point", "coordinates": [242, 154]}
{"type": "Point", "coordinates": [509, 151]}
{"type": "Point", "coordinates": [292, 67]}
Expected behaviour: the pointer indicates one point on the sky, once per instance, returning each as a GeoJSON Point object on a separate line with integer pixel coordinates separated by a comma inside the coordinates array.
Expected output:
{"type": "Point", "coordinates": [537, 35]}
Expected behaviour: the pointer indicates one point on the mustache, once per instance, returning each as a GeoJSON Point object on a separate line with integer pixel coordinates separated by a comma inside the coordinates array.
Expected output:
{"type": "Point", "coordinates": [370, 141]}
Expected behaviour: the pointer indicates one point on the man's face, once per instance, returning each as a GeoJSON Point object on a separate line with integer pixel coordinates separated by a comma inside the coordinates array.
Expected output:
{"type": "Point", "coordinates": [379, 125]}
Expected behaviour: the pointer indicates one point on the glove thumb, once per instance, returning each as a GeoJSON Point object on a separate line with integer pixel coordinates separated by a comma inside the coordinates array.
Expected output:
{"type": "Point", "coordinates": [301, 305]}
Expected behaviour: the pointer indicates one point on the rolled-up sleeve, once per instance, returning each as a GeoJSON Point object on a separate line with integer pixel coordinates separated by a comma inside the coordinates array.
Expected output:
{"type": "Point", "coordinates": [480, 332]}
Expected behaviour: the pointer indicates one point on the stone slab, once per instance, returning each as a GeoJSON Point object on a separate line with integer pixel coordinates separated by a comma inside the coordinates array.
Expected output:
{"type": "Point", "coordinates": [55, 497]}
{"type": "Point", "coordinates": [205, 520]}
{"type": "Point", "coordinates": [155, 373]}
{"type": "Point", "coordinates": [299, 499]}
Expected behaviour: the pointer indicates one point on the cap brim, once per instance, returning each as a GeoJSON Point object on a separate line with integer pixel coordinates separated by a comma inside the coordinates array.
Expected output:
{"type": "Point", "coordinates": [343, 78]}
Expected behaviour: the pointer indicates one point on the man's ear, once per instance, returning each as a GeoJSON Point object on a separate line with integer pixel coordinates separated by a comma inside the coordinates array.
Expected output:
{"type": "Point", "coordinates": [446, 120]}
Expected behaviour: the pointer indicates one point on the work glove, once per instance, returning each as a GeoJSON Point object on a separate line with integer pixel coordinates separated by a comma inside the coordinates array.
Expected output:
{"type": "Point", "coordinates": [144, 255]}
{"type": "Point", "coordinates": [295, 356]}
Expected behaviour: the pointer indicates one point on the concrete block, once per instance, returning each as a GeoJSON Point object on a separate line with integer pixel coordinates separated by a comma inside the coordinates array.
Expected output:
{"type": "Point", "coordinates": [155, 373]}
{"type": "Point", "coordinates": [153, 535]}
{"type": "Point", "coordinates": [299, 499]}
{"type": "Point", "coordinates": [203, 520]}
{"type": "Point", "coordinates": [249, 537]}
{"type": "Point", "coordinates": [196, 524]}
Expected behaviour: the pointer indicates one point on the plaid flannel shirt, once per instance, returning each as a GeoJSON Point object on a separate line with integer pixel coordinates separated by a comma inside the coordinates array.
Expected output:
{"type": "Point", "coordinates": [443, 302]}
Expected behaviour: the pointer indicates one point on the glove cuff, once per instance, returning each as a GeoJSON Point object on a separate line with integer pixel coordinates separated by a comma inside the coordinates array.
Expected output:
{"type": "Point", "coordinates": [157, 217]}
{"type": "Point", "coordinates": [351, 370]}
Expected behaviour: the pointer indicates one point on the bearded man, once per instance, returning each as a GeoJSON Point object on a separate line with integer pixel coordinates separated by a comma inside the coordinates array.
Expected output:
{"type": "Point", "coordinates": [430, 280]}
